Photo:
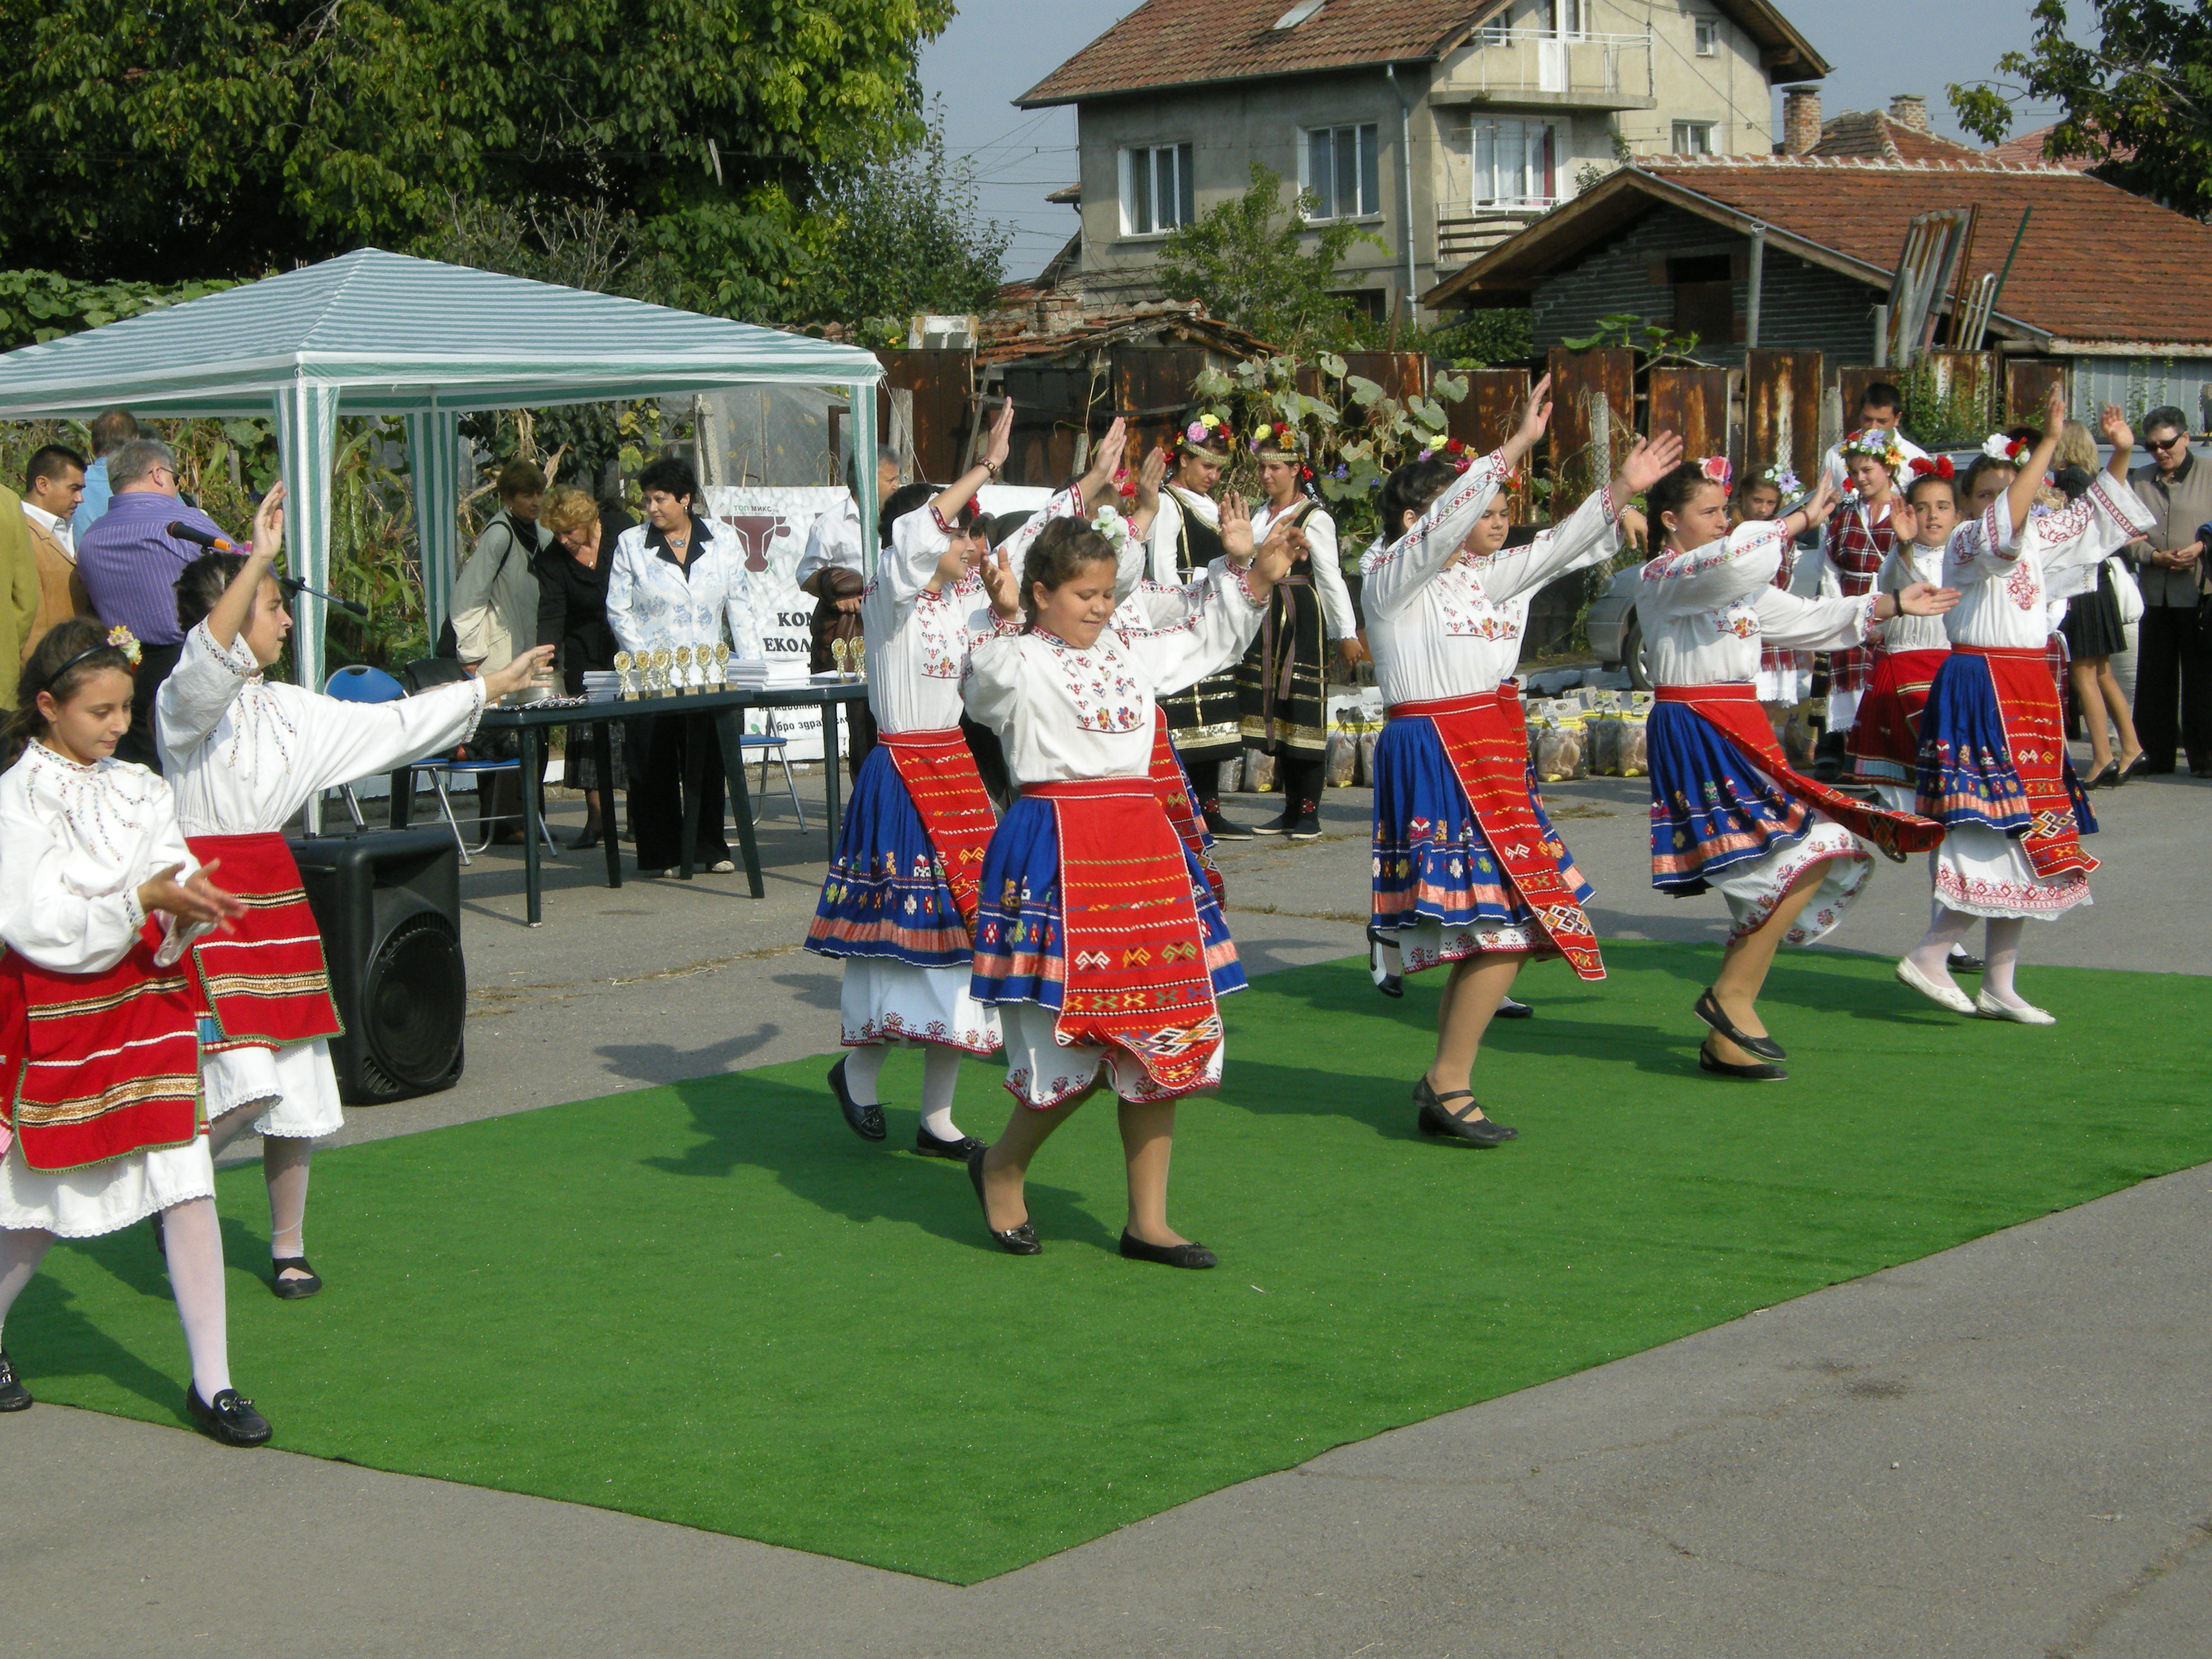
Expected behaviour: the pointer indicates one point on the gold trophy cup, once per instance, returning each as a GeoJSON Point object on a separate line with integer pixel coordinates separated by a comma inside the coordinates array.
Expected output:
{"type": "Point", "coordinates": [683, 670]}
{"type": "Point", "coordinates": [624, 686]}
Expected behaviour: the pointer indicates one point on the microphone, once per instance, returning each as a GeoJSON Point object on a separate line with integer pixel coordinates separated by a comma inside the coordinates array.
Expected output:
{"type": "Point", "coordinates": [208, 538]}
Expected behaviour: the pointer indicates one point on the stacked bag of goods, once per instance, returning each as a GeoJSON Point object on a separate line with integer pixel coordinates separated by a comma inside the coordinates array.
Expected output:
{"type": "Point", "coordinates": [1589, 732]}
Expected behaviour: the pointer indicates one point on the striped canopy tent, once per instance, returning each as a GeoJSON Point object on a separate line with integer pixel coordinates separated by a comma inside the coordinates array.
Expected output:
{"type": "Point", "coordinates": [378, 333]}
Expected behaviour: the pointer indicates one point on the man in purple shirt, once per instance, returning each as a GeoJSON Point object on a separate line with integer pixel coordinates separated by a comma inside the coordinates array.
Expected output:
{"type": "Point", "coordinates": [130, 564]}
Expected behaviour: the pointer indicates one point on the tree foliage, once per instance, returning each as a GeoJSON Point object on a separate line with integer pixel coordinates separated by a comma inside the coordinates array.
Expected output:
{"type": "Point", "coordinates": [2138, 102]}
{"type": "Point", "coordinates": [38, 306]}
{"type": "Point", "coordinates": [227, 137]}
{"type": "Point", "coordinates": [1249, 270]}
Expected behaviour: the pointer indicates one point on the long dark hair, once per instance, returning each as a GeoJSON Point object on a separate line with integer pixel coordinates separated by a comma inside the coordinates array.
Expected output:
{"type": "Point", "coordinates": [202, 582]}
{"type": "Point", "coordinates": [1060, 551]}
{"type": "Point", "coordinates": [67, 655]}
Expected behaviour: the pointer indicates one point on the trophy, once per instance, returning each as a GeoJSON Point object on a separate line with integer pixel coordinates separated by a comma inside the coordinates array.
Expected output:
{"type": "Point", "coordinates": [660, 661]}
{"type": "Point", "coordinates": [840, 652]}
{"type": "Point", "coordinates": [683, 670]}
{"type": "Point", "coordinates": [721, 665]}
{"type": "Point", "coordinates": [625, 684]}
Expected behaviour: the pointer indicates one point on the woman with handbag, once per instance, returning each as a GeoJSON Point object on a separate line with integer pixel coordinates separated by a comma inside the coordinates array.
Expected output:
{"type": "Point", "coordinates": [2096, 631]}
{"type": "Point", "coordinates": [494, 616]}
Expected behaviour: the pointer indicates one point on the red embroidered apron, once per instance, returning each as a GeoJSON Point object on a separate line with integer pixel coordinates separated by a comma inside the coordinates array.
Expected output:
{"type": "Point", "coordinates": [1174, 798]}
{"type": "Point", "coordinates": [265, 981]}
{"type": "Point", "coordinates": [2035, 738]}
{"type": "Point", "coordinates": [1885, 739]}
{"type": "Point", "coordinates": [947, 792]}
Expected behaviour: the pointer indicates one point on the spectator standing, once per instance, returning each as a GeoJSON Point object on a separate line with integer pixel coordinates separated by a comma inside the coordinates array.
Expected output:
{"type": "Point", "coordinates": [572, 616]}
{"type": "Point", "coordinates": [494, 609]}
{"type": "Point", "coordinates": [19, 592]}
{"type": "Point", "coordinates": [2174, 659]}
{"type": "Point", "coordinates": [2094, 634]}
{"type": "Point", "coordinates": [112, 428]}
{"type": "Point", "coordinates": [829, 572]}
{"type": "Point", "coordinates": [53, 484]}
{"type": "Point", "coordinates": [1882, 407]}
{"type": "Point", "coordinates": [130, 564]}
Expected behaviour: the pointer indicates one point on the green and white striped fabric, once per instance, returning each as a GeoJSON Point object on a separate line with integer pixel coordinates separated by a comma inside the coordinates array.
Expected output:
{"type": "Point", "coordinates": [378, 333]}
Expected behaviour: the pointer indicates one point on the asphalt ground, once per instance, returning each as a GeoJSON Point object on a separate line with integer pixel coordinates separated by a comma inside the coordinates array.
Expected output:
{"type": "Point", "coordinates": [2000, 1450]}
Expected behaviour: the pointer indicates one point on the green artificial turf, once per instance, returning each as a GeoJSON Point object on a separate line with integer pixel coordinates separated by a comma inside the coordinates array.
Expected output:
{"type": "Point", "coordinates": [710, 1304]}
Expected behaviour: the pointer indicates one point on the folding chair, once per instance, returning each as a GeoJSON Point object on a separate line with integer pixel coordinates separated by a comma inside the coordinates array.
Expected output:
{"type": "Point", "coordinates": [360, 683]}
{"type": "Point", "coordinates": [765, 742]}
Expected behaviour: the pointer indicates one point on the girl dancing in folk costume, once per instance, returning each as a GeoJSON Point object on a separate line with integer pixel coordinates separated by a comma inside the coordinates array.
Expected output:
{"type": "Point", "coordinates": [1468, 868]}
{"type": "Point", "coordinates": [1726, 810]}
{"type": "Point", "coordinates": [1860, 536]}
{"type": "Point", "coordinates": [1282, 683]}
{"type": "Point", "coordinates": [899, 904]}
{"type": "Point", "coordinates": [1994, 768]}
{"type": "Point", "coordinates": [99, 1035]}
{"type": "Point", "coordinates": [243, 754]}
{"type": "Point", "coordinates": [1184, 540]}
{"type": "Point", "coordinates": [1099, 941]}
{"type": "Point", "coordinates": [1786, 677]}
{"type": "Point", "coordinates": [1884, 745]}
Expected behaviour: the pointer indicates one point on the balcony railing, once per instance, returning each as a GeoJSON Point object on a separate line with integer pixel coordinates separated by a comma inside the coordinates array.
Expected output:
{"type": "Point", "coordinates": [1464, 234]}
{"type": "Point", "coordinates": [1545, 63]}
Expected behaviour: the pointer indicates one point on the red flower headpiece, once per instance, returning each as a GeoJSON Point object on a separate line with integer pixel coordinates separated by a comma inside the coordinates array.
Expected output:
{"type": "Point", "coordinates": [1456, 454]}
{"type": "Point", "coordinates": [1938, 468]}
{"type": "Point", "coordinates": [2011, 450]}
{"type": "Point", "coordinates": [1715, 469]}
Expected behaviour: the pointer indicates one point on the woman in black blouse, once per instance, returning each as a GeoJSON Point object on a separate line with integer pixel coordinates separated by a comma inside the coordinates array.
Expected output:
{"type": "Point", "coordinates": [572, 614]}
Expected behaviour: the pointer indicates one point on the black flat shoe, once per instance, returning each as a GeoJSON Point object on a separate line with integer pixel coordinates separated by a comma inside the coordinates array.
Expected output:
{"type": "Point", "coordinates": [1306, 827]}
{"type": "Point", "coordinates": [1965, 962]}
{"type": "Point", "coordinates": [1435, 1119]}
{"type": "Point", "coordinates": [1389, 984]}
{"type": "Point", "coordinates": [161, 1238]}
{"type": "Point", "coordinates": [585, 840]}
{"type": "Point", "coordinates": [291, 1290]}
{"type": "Point", "coordinates": [1508, 1008]}
{"type": "Point", "coordinates": [1222, 828]}
{"type": "Point", "coordinates": [958, 1151]}
{"type": "Point", "coordinates": [1014, 1241]}
{"type": "Point", "coordinates": [14, 1396]}
{"type": "Point", "coordinates": [2105, 779]}
{"type": "Point", "coordinates": [1708, 1010]}
{"type": "Point", "coordinates": [1168, 1255]}
{"type": "Point", "coordinates": [1281, 824]}
{"type": "Point", "coordinates": [866, 1121]}
{"type": "Point", "coordinates": [230, 1418]}
{"type": "Point", "coordinates": [1761, 1072]}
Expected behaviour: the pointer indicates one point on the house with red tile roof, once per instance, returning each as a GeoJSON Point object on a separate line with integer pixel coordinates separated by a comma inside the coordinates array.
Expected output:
{"type": "Point", "coordinates": [1436, 126]}
{"type": "Point", "coordinates": [2118, 286]}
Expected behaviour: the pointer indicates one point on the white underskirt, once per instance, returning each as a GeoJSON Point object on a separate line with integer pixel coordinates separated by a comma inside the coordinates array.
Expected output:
{"type": "Point", "coordinates": [1844, 710]}
{"type": "Point", "coordinates": [895, 1002]}
{"type": "Point", "coordinates": [296, 1084]}
{"type": "Point", "coordinates": [1427, 943]}
{"type": "Point", "coordinates": [1040, 1073]}
{"type": "Point", "coordinates": [1754, 887]}
{"type": "Point", "coordinates": [102, 1198]}
{"type": "Point", "coordinates": [1787, 686]}
{"type": "Point", "coordinates": [1982, 872]}
{"type": "Point", "coordinates": [1898, 797]}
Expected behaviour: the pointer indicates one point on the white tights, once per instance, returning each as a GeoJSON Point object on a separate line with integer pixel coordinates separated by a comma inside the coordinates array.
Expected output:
{"type": "Point", "coordinates": [940, 1071]}
{"type": "Point", "coordinates": [194, 1242]}
{"type": "Point", "coordinates": [284, 1160]}
{"type": "Point", "coordinates": [2000, 950]}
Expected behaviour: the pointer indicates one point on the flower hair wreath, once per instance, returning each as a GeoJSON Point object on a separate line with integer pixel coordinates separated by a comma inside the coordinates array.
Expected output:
{"type": "Point", "coordinates": [1783, 477]}
{"type": "Point", "coordinates": [1877, 443]}
{"type": "Point", "coordinates": [1108, 522]}
{"type": "Point", "coordinates": [1939, 467]}
{"type": "Point", "coordinates": [2011, 450]}
{"type": "Point", "coordinates": [1456, 454]}
{"type": "Point", "coordinates": [1207, 432]}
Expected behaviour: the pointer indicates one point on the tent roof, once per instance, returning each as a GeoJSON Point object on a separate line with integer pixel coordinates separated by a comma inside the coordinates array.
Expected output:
{"type": "Point", "coordinates": [403, 335]}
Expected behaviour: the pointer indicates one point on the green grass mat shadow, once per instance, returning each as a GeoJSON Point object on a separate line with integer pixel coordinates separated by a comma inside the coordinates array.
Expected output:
{"type": "Point", "coordinates": [710, 1304]}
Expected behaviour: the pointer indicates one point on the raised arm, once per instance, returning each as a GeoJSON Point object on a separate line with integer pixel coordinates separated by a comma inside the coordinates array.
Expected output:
{"type": "Point", "coordinates": [2036, 467]}
{"type": "Point", "coordinates": [956, 495]}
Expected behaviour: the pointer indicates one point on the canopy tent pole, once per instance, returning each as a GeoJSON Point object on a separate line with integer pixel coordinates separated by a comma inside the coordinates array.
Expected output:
{"type": "Point", "coordinates": [863, 393]}
{"type": "Point", "coordinates": [306, 447]}
{"type": "Point", "coordinates": [434, 462]}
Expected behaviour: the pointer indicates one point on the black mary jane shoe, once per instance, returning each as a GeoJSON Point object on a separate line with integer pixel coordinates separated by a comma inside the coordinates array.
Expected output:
{"type": "Point", "coordinates": [2105, 778]}
{"type": "Point", "coordinates": [1168, 1255]}
{"type": "Point", "coordinates": [1963, 962]}
{"type": "Point", "coordinates": [1014, 1241]}
{"type": "Point", "coordinates": [14, 1396]}
{"type": "Point", "coordinates": [291, 1290]}
{"type": "Point", "coordinates": [1389, 984]}
{"type": "Point", "coordinates": [1708, 1010]}
{"type": "Point", "coordinates": [1509, 1008]}
{"type": "Point", "coordinates": [1436, 1120]}
{"type": "Point", "coordinates": [1762, 1073]}
{"type": "Point", "coordinates": [228, 1418]}
{"type": "Point", "coordinates": [866, 1121]}
{"type": "Point", "coordinates": [959, 1151]}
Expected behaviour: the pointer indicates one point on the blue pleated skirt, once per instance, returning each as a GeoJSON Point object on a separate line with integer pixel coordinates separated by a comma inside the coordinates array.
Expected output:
{"type": "Point", "coordinates": [1967, 772]}
{"type": "Point", "coordinates": [1710, 806]}
{"type": "Point", "coordinates": [886, 897]}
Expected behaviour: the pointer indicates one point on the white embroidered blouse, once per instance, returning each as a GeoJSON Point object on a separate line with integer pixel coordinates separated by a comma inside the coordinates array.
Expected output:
{"type": "Point", "coordinates": [654, 603]}
{"type": "Point", "coordinates": [1063, 713]}
{"type": "Point", "coordinates": [2008, 583]}
{"type": "Point", "coordinates": [75, 844]}
{"type": "Point", "coordinates": [1707, 613]}
{"type": "Point", "coordinates": [1909, 563]}
{"type": "Point", "coordinates": [244, 753]}
{"type": "Point", "coordinates": [1442, 622]}
{"type": "Point", "coordinates": [1164, 540]}
{"type": "Point", "coordinates": [918, 639]}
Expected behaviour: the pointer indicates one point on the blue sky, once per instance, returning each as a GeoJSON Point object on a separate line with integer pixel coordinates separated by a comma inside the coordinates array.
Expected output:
{"type": "Point", "coordinates": [995, 50]}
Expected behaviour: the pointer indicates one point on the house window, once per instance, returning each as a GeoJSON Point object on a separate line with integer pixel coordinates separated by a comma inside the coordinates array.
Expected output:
{"type": "Point", "coordinates": [1568, 19]}
{"type": "Point", "coordinates": [1705, 295]}
{"type": "Point", "coordinates": [1708, 36]}
{"type": "Point", "coordinates": [1157, 192]}
{"type": "Point", "coordinates": [1516, 164]}
{"type": "Point", "coordinates": [1342, 168]}
{"type": "Point", "coordinates": [1693, 138]}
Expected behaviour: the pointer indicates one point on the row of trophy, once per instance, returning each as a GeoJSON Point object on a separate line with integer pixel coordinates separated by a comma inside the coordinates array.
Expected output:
{"type": "Point", "coordinates": [851, 657]}
{"type": "Point", "coordinates": [666, 673]}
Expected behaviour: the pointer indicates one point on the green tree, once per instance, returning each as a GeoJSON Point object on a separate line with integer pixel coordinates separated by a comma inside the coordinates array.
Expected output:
{"type": "Point", "coordinates": [1249, 270]}
{"type": "Point", "coordinates": [227, 138]}
{"type": "Point", "coordinates": [2138, 102]}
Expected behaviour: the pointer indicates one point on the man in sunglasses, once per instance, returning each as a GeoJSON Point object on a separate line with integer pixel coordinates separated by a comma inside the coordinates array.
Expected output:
{"type": "Point", "coordinates": [2173, 661]}
{"type": "Point", "coordinates": [130, 564]}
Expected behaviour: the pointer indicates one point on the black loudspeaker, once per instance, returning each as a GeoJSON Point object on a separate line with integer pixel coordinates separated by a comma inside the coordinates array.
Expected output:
{"type": "Point", "coordinates": [389, 905]}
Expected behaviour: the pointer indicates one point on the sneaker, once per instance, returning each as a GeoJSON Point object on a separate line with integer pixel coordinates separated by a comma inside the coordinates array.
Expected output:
{"type": "Point", "coordinates": [1222, 830]}
{"type": "Point", "coordinates": [230, 1418]}
{"type": "Point", "coordinates": [14, 1396]}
